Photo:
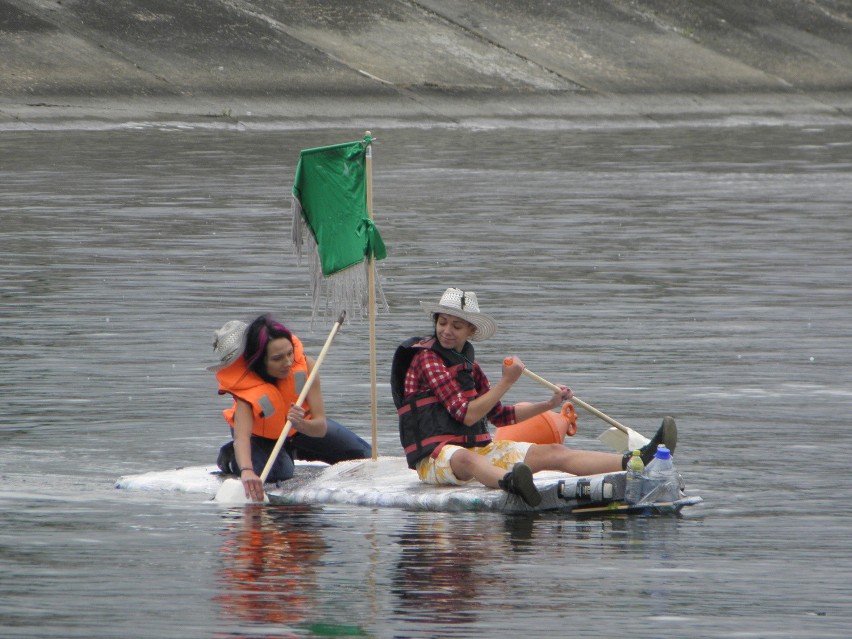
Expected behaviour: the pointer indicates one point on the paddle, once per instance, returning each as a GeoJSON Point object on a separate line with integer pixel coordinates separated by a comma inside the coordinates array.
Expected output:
{"type": "Point", "coordinates": [231, 490]}
{"type": "Point", "coordinates": [621, 437]}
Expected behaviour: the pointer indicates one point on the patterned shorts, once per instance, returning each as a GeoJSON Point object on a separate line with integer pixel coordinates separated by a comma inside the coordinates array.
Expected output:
{"type": "Point", "coordinates": [501, 452]}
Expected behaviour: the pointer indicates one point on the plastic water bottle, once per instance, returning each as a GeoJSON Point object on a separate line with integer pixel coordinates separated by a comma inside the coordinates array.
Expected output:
{"type": "Point", "coordinates": [661, 483]}
{"type": "Point", "coordinates": [633, 478]}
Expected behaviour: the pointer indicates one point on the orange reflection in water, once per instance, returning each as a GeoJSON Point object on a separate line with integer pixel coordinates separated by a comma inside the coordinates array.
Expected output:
{"type": "Point", "coordinates": [268, 573]}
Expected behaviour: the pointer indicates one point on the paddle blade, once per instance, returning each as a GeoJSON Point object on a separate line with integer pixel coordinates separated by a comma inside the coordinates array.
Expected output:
{"type": "Point", "coordinates": [232, 492]}
{"type": "Point", "coordinates": [623, 442]}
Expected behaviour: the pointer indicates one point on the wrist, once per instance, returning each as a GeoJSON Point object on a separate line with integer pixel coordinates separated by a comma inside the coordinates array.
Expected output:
{"type": "Point", "coordinates": [502, 387]}
{"type": "Point", "coordinates": [244, 469]}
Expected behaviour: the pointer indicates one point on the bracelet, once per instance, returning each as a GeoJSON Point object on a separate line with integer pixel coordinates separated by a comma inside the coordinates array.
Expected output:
{"type": "Point", "coordinates": [242, 470]}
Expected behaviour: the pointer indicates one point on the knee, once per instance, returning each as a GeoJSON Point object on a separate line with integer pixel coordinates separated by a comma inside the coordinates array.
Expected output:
{"type": "Point", "coordinates": [462, 460]}
{"type": "Point", "coordinates": [546, 453]}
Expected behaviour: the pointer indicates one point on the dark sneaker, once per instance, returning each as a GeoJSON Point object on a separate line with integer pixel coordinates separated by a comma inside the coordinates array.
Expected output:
{"type": "Point", "coordinates": [666, 435]}
{"type": "Point", "coordinates": [519, 481]}
{"type": "Point", "coordinates": [227, 459]}
{"type": "Point", "coordinates": [669, 433]}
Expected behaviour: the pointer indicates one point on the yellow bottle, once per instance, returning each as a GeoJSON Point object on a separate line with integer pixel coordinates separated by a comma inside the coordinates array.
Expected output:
{"type": "Point", "coordinates": [633, 478]}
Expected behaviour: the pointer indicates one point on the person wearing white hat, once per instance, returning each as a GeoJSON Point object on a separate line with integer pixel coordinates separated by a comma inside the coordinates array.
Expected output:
{"type": "Point", "coordinates": [264, 367]}
{"type": "Point", "coordinates": [444, 402]}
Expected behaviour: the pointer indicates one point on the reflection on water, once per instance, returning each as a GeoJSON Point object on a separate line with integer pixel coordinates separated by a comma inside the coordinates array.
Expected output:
{"type": "Point", "coordinates": [463, 573]}
{"type": "Point", "coordinates": [435, 577]}
{"type": "Point", "coordinates": [270, 574]}
{"type": "Point", "coordinates": [269, 567]}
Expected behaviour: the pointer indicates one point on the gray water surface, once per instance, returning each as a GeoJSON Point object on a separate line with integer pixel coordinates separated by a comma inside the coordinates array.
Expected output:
{"type": "Point", "coordinates": [698, 269]}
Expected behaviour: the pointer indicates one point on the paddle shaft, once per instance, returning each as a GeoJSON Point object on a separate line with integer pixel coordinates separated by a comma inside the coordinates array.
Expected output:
{"type": "Point", "coordinates": [308, 383]}
{"type": "Point", "coordinates": [591, 409]}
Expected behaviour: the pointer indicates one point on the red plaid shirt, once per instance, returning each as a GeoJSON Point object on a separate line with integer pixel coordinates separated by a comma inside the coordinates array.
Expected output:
{"type": "Point", "coordinates": [429, 373]}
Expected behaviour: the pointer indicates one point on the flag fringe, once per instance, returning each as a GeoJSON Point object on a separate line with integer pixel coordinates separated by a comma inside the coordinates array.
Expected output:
{"type": "Point", "coordinates": [345, 290]}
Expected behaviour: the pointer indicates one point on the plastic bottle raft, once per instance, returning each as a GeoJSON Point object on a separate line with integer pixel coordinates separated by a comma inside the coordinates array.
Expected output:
{"type": "Point", "coordinates": [388, 482]}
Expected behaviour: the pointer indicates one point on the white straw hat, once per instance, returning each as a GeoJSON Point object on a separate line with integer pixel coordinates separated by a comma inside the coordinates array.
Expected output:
{"type": "Point", "coordinates": [463, 304]}
{"type": "Point", "coordinates": [228, 344]}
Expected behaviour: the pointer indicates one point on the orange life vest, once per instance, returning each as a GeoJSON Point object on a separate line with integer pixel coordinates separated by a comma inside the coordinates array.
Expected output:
{"type": "Point", "coordinates": [270, 403]}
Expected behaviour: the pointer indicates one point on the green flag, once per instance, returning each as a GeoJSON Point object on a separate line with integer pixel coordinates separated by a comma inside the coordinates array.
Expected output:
{"type": "Point", "coordinates": [331, 221]}
{"type": "Point", "coordinates": [330, 195]}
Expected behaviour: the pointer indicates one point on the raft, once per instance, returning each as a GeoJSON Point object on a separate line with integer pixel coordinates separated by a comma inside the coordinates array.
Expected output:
{"type": "Point", "coordinates": [388, 483]}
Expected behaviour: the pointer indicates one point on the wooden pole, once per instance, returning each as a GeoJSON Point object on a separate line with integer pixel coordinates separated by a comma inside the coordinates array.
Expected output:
{"type": "Point", "coordinates": [371, 296]}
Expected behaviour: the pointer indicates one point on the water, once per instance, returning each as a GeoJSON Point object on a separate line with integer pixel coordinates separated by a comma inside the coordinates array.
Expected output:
{"type": "Point", "coordinates": [698, 269]}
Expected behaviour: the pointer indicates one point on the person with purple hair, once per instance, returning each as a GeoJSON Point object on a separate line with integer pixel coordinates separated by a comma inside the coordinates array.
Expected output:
{"type": "Point", "coordinates": [263, 366]}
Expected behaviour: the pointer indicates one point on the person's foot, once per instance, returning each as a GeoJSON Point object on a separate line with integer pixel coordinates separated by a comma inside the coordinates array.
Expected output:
{"type": "Point", "coordinates": [519, 481]}
{"type": "Point", "coordinates": [227, 459]}
{"type": "Point", "coordinates": [666, 435]}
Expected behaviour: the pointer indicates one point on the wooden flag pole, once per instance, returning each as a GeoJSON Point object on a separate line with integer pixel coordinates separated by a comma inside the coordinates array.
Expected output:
{"type": "Point", "coordinates": [371, 296]}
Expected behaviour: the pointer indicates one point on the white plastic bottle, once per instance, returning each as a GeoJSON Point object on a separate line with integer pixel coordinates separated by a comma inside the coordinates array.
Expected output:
{"type": "Point", "coordinates": [633, 478]}
{"type": "Point", "coordinates": [661, 483]}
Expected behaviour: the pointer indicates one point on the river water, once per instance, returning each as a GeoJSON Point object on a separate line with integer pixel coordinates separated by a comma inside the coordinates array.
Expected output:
{"type": "Point", "coordinates": [693, 268]}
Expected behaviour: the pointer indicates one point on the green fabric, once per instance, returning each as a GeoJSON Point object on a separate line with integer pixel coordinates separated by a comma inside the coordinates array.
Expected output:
{"type": "Point", "coordinates": [331, 188]}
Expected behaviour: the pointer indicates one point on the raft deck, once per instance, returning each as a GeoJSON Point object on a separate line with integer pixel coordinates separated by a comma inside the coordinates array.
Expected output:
{"type": "Point", "coordinates": [389, 483]}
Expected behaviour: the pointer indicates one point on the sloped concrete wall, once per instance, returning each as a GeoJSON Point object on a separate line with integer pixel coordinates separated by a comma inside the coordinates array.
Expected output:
{"type": "Point", "coordinates": [438, 57]}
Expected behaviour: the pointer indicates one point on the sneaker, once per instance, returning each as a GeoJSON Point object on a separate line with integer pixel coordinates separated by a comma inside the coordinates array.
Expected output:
{"type": "Point", "coordinates": [227, 459]}
{"type": "Point", "coordinates": [666, 435]}
{"type": "Point", "coordinates": [519, 481]}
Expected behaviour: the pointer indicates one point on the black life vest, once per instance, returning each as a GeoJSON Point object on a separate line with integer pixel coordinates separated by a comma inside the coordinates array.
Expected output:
{"type": "Point", "coordinates": [425, 426]}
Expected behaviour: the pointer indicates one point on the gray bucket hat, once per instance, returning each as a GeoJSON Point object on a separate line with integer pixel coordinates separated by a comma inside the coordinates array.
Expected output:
{"type": "Point", "coordinates": [228, 344]}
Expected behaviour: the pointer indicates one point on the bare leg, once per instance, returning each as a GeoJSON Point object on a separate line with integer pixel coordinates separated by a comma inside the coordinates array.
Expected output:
{"type": "Point", "coordinates": [467, 465]}
{"type": "Point", "coordinates": [577, 462]}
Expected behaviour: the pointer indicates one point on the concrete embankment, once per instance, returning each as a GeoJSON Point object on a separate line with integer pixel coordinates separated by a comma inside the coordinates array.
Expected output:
{"type": "Point", "coordinates": [434, 59]}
